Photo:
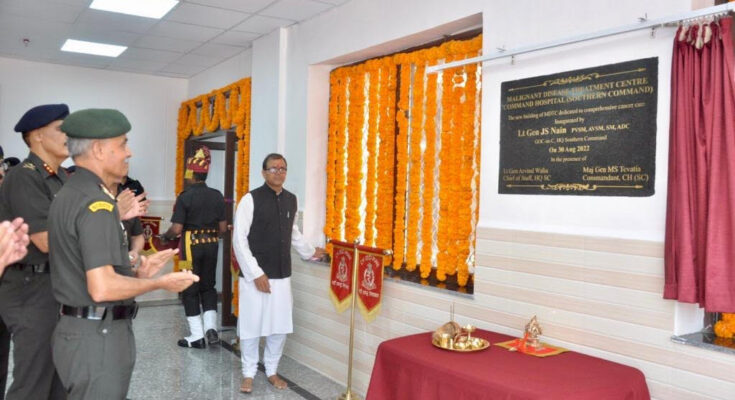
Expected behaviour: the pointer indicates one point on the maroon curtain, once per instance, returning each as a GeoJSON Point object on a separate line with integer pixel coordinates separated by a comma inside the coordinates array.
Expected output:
{"type": "Point", "coordinates": [700, 215]}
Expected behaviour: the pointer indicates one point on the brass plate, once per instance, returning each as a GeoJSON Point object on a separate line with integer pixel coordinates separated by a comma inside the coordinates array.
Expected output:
{"type": "Point", "coordinates": [485, 345]}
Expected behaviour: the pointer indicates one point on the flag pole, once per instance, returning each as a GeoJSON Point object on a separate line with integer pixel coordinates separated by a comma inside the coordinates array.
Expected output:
{"type": "Point", "coordinates": [348, 395]}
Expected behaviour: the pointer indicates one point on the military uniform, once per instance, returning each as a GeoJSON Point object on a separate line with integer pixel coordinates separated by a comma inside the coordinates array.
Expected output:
{"type": "Point", "coordinates": [26, 304]}
{"type": "Point", "coordinates": [93, 344]}
{"type": "Point", "coordinates": [199, 209]}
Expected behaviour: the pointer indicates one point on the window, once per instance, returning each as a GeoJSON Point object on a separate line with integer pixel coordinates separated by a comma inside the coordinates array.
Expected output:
{"type": "Point", "coordinates": [403, 159]}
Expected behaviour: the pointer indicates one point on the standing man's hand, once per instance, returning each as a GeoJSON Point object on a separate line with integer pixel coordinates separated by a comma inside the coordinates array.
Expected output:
{"type": "Point", "coordinates": [132, 206]}
{"type": "Point", "coordinates": [150, 266]}
{"type": "Point", "coordinates": [262, 284]}
{"type": "Point", "coordinates": [13, 242]}
{"type": "Point", "coordinates": [177, 281]}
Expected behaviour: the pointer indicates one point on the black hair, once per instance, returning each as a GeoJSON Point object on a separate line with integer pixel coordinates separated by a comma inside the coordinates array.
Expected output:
{"type": "Point", "coordinates": [200, 176]}
{"type": "Point", "coordinates": [273, 156]}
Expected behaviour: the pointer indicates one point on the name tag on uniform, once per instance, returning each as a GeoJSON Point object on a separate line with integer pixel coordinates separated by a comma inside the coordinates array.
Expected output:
{"type": "Point", "coordinates": [101, 205]}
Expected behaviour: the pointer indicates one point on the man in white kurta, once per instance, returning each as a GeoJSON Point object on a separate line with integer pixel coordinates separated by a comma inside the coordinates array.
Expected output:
{"type": "Point", "coordinates": [264, 233]}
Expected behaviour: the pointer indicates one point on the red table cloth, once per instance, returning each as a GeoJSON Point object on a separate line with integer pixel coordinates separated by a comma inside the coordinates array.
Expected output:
{"type": "Point", "coordinates": [410, 367]}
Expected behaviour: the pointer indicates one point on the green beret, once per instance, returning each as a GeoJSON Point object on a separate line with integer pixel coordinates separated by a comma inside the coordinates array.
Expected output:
{"type": "Point", "coordinates": [95, 123]}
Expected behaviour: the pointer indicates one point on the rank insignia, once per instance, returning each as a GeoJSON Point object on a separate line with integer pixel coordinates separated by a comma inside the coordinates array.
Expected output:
{"type": "Point", "coordinates": [29, 166]}
{"type": "Point", "coordinates": [101, 205]}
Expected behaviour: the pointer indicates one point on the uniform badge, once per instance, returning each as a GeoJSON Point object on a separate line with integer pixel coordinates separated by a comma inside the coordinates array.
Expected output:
{"type": "Point", "coordinates": [101, 205]}
{"type": "Point", "coordinates": [29, 166]}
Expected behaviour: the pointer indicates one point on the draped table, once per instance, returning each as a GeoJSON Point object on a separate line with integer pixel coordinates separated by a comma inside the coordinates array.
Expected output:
{"type": "Point", "coordinates": [410, 367]}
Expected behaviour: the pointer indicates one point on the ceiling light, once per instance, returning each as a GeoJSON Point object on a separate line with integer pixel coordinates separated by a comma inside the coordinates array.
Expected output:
{"type": "Point", "coordinates": [142, 8]}
{"type": "Point", "coordinates": [98, 49]}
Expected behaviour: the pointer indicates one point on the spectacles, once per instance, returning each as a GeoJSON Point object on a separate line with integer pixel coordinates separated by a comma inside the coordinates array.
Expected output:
{"type": "Point", "coordinates": [275, 170]}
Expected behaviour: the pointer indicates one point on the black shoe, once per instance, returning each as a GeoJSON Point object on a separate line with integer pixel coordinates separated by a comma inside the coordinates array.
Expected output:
{"type": "Point", "coordinates": [212, 336]}
{"type": "Point", "coordinates": [197, 344]}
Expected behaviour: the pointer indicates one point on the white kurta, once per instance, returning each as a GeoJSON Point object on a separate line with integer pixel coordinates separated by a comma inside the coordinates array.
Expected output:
{"type": "Point", "coordinates": [262, 314]}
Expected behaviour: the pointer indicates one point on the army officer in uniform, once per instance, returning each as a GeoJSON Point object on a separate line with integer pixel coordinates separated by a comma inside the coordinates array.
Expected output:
{"type": "Point", "coordinates": [92, 278]}
{"type": "Point", "coordinates": [26, 304]}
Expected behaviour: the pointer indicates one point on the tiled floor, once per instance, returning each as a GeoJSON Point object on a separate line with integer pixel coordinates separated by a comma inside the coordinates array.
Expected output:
{"type": "Point", "coordinates": [165, 371]}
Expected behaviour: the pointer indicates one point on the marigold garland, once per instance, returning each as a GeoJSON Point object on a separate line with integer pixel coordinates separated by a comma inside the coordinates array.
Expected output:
{"type": "Point", "coordinates": [371, 182]}
{"type": "Point", "coordinates": [355, 126]}
{"type": "Point", "coordinates": [386, 158]}
{"type": "Point", "coordinates": [725, 327]}
{"type": "Point", "coordinates": [446, 167]}
{"type": "Point", "coordinates": [340, 158]}
{"type": "Point", "coordinates": [414, 176]}
{"type": "Point", "coordinates": [397, 210]}
{"type": "Point", "coordinates": [427, 228]}
{"type": "Point", "coordinates": [226, 111]}
{"type": "Point", "coordinates": [331, 156]}
{"type": "Point", "coordinates": [399, 223]}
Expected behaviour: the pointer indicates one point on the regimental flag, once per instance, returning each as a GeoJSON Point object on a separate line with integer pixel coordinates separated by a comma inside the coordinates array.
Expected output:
{"type": "Point", "coordinates": [340, 277]}
{"type": "Point", "coordinates": [151, 226]}
{"type": "Point", "coordinates": [369, 281]}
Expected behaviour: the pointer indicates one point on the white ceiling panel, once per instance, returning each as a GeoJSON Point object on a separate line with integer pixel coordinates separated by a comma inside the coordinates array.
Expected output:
{"type": "Point", "coordinates": [236, 38]}
{"type": "Point", "coordinates": [93, 34]}
{"type": "Point", "coordinates": [296, 10]}
{"type": "Point", "coordinates": [249, 6]}
{"type": "Point", "coordinates": [262, 24]}
{"type": "Point", "coordinates": [164, 43]}
{"type": "Point", "coordinates": [201, 61]}
{"type": "Point", "coordinates": [127, 64]}
{"type": "Point", "coordinates": [194, 36]}
{"type": "Point", "coordinates": [183, 69]}
{"type": "Point", "coordinates": [83, 60]}
{"type": "Point", "coordinates": [136, 53]}
{"type": "Point", "coordinates": [217, 50]}
{"type": "Point", "coordinates": [206, 16]}
{"type": "Point", "coordinates": [335, 2]}
{"type": "Point", "coordinates": [42, 10]}
{"type": "Point", "coordinates": [115, 21]}
{"type": "Point", "coordinates": [184, 31]}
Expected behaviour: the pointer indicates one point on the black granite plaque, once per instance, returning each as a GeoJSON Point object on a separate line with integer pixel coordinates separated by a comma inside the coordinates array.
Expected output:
{"type": "Point", "coordinates": [588, 132]}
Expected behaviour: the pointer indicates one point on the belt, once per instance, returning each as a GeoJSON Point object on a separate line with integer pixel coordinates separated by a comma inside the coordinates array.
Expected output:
{"type": "Point", "coordinates": [35, 268]}
{"type": "Point", "coordinates": [98, 313]}
{"type": "Point", "coordinates": [202, 236]}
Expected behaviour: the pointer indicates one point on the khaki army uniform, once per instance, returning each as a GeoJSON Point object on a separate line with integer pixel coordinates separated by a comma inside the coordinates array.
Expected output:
{"type": "Point", "coordinates": [93, 344]}
{"type": "Point", "coordinates": [27, 306]}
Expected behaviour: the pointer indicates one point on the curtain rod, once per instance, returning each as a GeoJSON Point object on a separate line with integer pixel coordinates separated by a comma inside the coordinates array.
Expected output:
{"type": "Point", "coordinates": [644, 24]}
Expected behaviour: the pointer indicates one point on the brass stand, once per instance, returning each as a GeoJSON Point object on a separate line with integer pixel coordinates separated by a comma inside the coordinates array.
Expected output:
{"type": "Point", "coordinates": [348, 395]}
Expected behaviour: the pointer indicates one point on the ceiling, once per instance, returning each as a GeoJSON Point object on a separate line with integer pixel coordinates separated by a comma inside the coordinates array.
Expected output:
{"type": "Point", "coordinates": [194, 36]}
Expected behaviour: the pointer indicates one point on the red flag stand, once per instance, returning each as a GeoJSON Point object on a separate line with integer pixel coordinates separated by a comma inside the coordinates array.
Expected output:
{"type": "Point", "coordinates": [365, 265]}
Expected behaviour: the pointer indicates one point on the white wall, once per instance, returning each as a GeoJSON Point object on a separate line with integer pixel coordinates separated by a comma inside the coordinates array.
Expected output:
{"type": "Point", "coordinates": [150, 103]}
{"type": "Point", "coordinates": [222, 74]}
{"type": "Point", "coordinates": [594, 270]}
{"type": "Point", "coordinates": [265, 110]}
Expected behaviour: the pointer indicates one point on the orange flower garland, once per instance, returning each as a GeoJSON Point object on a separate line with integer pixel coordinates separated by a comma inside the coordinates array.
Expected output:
{"type": "Point", "coordinates": [725, 328]}
{"type": "Point", "coordinates": [372, 141]}
{"type": "Point", "coordinates": [397, 210]}
{"type": "Point", "coordinates": [446, 166]}
{"type": "Point", "coordinates": [331, 155]}
{"type": "Point", "coordinates": [427, 228]}
{"type": "Point", "coordinates": [399, 224]}
{"type": "Point", "coordinates": [341, 150]}
{"type": "Point", "coordinates": [193, 121]}
{"type": "Point", "coordinates": [355, 125]}
{"type": "Point", "coordinates": [386, 157]}
{"type": "Point", "coordinates": [414, 177]}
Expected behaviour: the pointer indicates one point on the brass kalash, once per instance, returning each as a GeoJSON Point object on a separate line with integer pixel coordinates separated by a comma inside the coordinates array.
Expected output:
{"type": "Point", "coordinates": [455, 337]}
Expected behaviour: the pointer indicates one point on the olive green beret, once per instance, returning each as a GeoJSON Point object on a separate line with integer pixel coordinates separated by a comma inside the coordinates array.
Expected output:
{"type": "Point", "coordinates": [95, 123]}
